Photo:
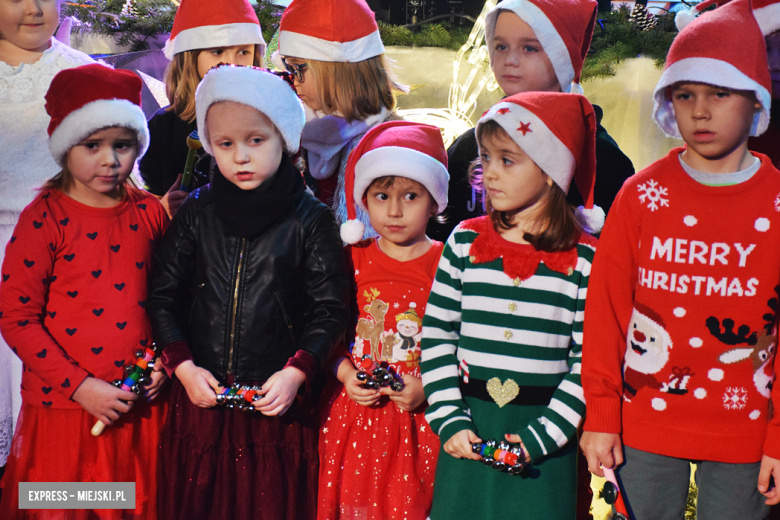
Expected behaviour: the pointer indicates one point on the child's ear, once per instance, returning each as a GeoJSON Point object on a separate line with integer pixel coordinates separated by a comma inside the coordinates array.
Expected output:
{"type": "Point", "coordinates": [549, 180]}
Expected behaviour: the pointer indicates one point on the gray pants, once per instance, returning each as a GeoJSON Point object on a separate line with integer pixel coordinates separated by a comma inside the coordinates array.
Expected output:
{"type": "Point", "coordinates": [656, 488]}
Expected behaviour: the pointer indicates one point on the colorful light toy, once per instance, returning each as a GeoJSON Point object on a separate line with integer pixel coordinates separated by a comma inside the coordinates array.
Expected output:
{"type": "Point", "coordinates": [240, 397]}
{"type": "Point", "coordinates": [137, 376]}
{"type": "Point", "coordinates": [501, 456]}
{"type": "Point", "coordinates": [612, 496]}
{"type": "Point", "coordinates": [376, 376]}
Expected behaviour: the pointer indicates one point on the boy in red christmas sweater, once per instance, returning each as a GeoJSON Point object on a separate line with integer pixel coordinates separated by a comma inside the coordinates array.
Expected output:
{"type": "Point", "coordinates": [680, 340]}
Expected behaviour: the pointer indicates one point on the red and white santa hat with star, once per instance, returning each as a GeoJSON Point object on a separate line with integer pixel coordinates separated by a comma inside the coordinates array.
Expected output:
{"type": "Point", "coordinates": [83, 100]}
{"type": "Point", "coordinates": [767, 14]}
{"type": "Point", "coordinates": [724, 48]}
{"type": "Point", "coordinates": [395, 148]}
{"type": "Point", "coordinates": [564, 28]}
{"type": "Point", "coordinates": [205, 24]}
{"type": "Point", "coordinates": [329, 30]}
{"type": "Point", "coordinates": [558, 132]}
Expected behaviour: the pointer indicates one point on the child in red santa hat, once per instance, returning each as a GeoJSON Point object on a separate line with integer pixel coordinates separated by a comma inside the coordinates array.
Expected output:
{"type": "Point", "coordinates": [337, 59]}
{"type": "Point", "coordinates": [75, 279]}
{"type": "Point", "coordinates": [683, 293]}
{"type": "Point", "coordinates": [205, 33]}
{"type": "Point", "coordinates": [397, 174]}
{"type": "Point", "coordinates": [508, 304]}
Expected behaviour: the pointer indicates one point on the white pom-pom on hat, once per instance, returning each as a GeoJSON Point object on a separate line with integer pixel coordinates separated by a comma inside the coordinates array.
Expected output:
{"type": "Point", "coordinates": [352, 231]}
{"type": "Point", "coordinates": [592, 219]}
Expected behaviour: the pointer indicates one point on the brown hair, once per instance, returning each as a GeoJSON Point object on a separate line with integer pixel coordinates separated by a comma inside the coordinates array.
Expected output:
{"type": "Point", "coordinates": [182, 79]}
{"type": "Point", "coordinates": [355, 90]}
{"type": "Point", "coordinates": [558, 228]}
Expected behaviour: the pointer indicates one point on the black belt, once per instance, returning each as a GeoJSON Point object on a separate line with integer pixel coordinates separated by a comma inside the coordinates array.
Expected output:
{"type": "Point", "coordinates": [528, 395]}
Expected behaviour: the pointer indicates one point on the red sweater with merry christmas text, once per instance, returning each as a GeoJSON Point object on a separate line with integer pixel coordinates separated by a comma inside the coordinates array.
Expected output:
{"type": "Point", "coordinates": [681, 316]}
{"type": "Point", "coordinates": [73, 296]}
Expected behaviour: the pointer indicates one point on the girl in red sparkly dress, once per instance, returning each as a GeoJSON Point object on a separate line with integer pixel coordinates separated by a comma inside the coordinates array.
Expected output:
{"type": "Point", "coordinates": [377, 452]}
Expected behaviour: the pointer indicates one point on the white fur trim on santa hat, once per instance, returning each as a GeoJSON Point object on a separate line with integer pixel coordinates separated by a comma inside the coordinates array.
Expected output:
{"type": "Point", "coordinates": [545, 31]}
{"type": "Point", "coordinates": [401, 162]}
{"type": "Point", "coordinates": [352, 231]}
{"type": "Point", "coordinates": [768, 18]}
{"type": "Point", "coordinates": [539, 142]}
{"type": "Point", "coordinates": [263, 91]}
{"type": "Point", "coordinates": [713, 72]}
{"type": "Point", "coordinates": [210, 36]}
{"type": "Point", "coordinates": [311, 48]}
{"type": "Point", "coordinates": [94, 116]}
{"type": "Point", "coordinates": [592, 220]}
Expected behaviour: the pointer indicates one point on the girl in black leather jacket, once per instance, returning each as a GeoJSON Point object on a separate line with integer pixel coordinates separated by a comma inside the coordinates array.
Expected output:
{"type": "Point", "coordinates": [249, 287]}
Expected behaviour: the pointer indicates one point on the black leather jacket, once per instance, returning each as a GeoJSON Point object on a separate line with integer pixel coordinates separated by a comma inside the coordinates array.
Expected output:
{"type": "Point", "coordinates": [245, 307]}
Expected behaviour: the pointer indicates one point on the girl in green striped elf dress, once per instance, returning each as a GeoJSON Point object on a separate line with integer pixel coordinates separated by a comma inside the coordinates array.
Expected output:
{"type": "Point", "coordinates": [502, 332]}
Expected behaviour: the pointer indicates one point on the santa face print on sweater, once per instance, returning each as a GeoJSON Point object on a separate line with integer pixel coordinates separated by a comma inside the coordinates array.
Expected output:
{"type": "Point", "coordinates": [647, 350]}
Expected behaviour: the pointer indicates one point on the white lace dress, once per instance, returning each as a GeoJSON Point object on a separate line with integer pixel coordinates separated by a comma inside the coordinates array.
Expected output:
{"type": "Point", "coordinates": [25, 164]}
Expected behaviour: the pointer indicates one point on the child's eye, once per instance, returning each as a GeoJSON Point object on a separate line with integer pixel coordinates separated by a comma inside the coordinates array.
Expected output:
{"type": "Point", "coordinates": [257, 140]}
{"type": "Point", "coordinates": [485, 158]}
{"type": "Point", "coordinates": [245, 52]}
{"type": "Point", "coordinates": [506, 161]}
{"type": "Point", "coordinates": [217, 52]}
{"type": "Point", "coordinates": [682, 96]}
{"type": "Point", "coordinates": [500, 47]}
{"type": "Point", "coordinates": [722, 94]}
{"type": "Point", "coordinates": [225, 144]}
{"type": "Point", "coordinates": [381, 196]}
{"type": "Point", "coordinates": [528, 48]}
{"type": "Point", "coordinates": [411, 196]}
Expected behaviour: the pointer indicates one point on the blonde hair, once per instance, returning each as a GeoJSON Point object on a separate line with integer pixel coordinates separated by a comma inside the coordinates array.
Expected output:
{"type": "Point", "coordinates": [182, 79]}
{"type": "Point", "coordinates": [355, 90]}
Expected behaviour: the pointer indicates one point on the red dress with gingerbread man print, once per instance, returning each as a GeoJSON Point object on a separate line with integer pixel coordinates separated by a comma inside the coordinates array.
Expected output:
{"type": "Point", "coordinates": [379, 462]}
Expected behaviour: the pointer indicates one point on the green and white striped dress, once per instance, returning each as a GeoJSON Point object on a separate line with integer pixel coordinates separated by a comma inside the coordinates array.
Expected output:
{"type": "Point", "coordinates": [515, 316]}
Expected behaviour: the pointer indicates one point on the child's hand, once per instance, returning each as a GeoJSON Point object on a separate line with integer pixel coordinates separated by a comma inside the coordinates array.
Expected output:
{"type": "Point", "coordinates": [511, 437]}
{"type": "Point", "coordinates": [347, 374]}
{"type": "Point", "coordinates": [280, 390]}
{"type": "Point", "coordinates": [411, 397]}
{"type": "Point", "coordinates": [200, 384]}
{"type": "Point", "coordinates": [769, 468]}
{"type": "Point", "coordinates": [459, 445]}
{"type": "Point", "coordinates": [159, 378]}
{"type": "Point", "coordinates": [174, 198]}
{"type": "Point", "coordinates": [602, 449]}
{"type": "Point", "coordinates": [103, 400]}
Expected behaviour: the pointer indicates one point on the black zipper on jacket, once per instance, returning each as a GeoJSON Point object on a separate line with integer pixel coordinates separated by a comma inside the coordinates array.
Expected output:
{"type": "Point", "coordinates": [284, 315]}
{"type": "Point", "coordinates": [233, 318]}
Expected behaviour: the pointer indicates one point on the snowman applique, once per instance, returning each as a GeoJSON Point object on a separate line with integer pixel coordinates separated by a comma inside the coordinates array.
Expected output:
{"type": "Point", "coordinates": [647, 351]}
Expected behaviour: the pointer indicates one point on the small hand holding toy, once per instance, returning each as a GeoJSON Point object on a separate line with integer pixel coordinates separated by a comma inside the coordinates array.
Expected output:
{"type": "Point", "coordinates": [240, 397]}
{"type": "Point", "coordinates": [612, 496]}
{"type": "Point", "coordinates": [194, 144]}
{"type": "Point", "coordinates": [375, 376]}
{"type": "Point", "coordinates": [502, 456]}
{"type": "Point", "coordinates": [137, 376]}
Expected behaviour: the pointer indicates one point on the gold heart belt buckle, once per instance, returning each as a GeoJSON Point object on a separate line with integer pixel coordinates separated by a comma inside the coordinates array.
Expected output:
{"type": "Point", "coordinates": [502, 393]}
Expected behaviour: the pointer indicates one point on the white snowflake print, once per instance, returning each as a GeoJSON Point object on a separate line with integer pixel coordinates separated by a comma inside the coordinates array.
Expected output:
{"type": "Point", "coordinates": [735, 398]}
{"type": "Point", "coordinates": [653, 194]}
{"type": "Point", "coordinates": [777, 202]}
{"type": "Point", "coordinates": [357, 272]}
{"type": "Point", "coordinates": [396, 305]}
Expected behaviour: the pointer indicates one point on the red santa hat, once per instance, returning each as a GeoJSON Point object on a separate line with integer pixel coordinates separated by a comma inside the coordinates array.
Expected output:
{"type": "Point", "coordinates": [85, 99]}
{"type": "Point", "coordinates": [329, 30]}
{"type": "Point", "coordinates": [558, 132]}
{"type": "Point", "coordinates": [256, 88]}
{"type": "Point", "coordinates": [398, 148]}
{"type": "Point", "coordinates": [724, 48]}
{"type": "Point", "coordinates": [564, 29]}
{"type": "Point", "coordinates": [767, 14]}
{"type": "Point", "coordinates": [205, 24]}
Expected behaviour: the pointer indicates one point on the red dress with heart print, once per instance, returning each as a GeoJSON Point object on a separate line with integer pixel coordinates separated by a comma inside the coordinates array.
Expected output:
{"type": "Point", "coordinates": [379, 462]}
{"type": "Point", "coordinates": [72, 301]}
